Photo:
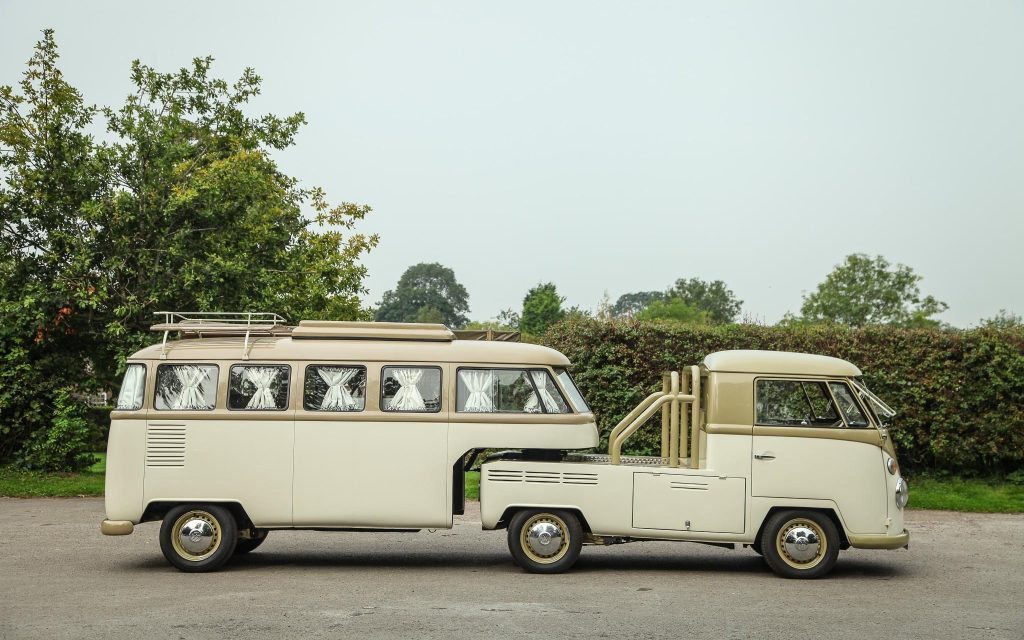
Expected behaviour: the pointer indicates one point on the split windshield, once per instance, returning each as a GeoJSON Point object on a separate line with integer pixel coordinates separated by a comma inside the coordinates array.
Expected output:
{"type": "Point", "coordinates": [574, 394]}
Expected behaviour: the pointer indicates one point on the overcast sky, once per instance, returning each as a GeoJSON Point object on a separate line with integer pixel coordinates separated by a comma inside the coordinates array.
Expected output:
{"type": "Point", "coordinates": [619, 146]}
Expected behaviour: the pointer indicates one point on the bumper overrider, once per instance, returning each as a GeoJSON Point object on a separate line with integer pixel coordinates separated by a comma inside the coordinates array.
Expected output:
{"type": "Point", "coordinates": [116, 527]}
{"type": "Point", "coordinates": [880, 541]}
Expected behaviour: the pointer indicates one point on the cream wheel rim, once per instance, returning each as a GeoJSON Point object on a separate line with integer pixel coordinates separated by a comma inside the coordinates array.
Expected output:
{"type": "Point", "coordinates": [801, 543]}
{"type": "Point", "coordinates": [544, 538]}
{"type": "Point", "coordinates": [196, 535]}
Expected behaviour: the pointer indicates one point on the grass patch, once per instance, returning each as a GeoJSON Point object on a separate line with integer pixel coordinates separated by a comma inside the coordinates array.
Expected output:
{"type": "Point", "coordinates": [472, 485]}
{"type": "Point", "coordinates": [32, 484]}
{"type": "Point", "coordinates": [980, 495]}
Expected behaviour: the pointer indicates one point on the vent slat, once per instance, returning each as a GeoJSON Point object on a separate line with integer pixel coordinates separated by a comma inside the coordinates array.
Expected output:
{"type": "Point", "coordinates": [165, 446]}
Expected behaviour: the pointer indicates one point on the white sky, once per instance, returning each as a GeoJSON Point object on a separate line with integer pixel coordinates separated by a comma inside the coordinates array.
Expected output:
{"type": "Point", "coordinates": [619, 146]}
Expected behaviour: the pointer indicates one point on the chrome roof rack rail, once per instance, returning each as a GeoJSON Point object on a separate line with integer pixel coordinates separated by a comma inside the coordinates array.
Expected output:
{"type": "Point", "coordinates": [220, 323]}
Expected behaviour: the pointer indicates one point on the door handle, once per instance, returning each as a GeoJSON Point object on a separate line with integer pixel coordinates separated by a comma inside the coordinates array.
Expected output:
{"type": "Point", "coordinates": [764, 456]}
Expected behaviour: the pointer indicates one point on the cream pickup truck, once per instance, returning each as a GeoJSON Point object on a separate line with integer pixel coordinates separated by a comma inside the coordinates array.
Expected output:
{"type": "Point", "coordinates": [785, 453]}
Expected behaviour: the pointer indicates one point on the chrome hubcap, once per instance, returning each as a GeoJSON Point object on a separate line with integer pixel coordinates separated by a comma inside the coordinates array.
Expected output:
{"type": "Point", "coordinates": [802, 544]}
{"type": "Point", "coordinates": [197, 536]}
{"type": "Point", "coordinates": [544, 539]}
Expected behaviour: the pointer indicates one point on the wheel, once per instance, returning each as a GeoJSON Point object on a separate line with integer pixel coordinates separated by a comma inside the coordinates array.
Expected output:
{"type": "Point", "coordinates": [545, 541]}
{"type": "Point", "coordinates": [245, 545]}
{"type": "Point", "coordinates": [800, 544]}
{"type": "Point", "coordinates": [756, 547]}
{"type": "Point", "coordinates": [198, 537]}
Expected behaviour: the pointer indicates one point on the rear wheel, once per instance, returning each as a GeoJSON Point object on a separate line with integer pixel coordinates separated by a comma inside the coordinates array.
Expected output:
{"type": "Point", "coordinates": [245, 545]}
{"type": "Point", "coordinates": [800, 544]}
{"type": "Point", "coordinates": [198, 537]}
{"type": "Point", "coordinates": [545, 541]}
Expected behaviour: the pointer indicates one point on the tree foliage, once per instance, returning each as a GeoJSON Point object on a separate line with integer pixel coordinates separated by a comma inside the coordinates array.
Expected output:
{"type": "Point", "coordinates": [713, 298]}
{"type": "Point", "coordinates": [184, 209]}
{"type": "Point", "coordinates": [865, 290]}
{"type": "Point", "coordinates": [426, 292]}
{"type": "Point", "coordinates": [542, 307]}
{"type": "Point", "coordinates": [688, 300]}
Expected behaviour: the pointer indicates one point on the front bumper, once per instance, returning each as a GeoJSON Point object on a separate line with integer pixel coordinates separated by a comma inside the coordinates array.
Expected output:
{"type": "Point", "coordinates": [116, 527]}
{"type": "Point", "coordinates": [880, 541]}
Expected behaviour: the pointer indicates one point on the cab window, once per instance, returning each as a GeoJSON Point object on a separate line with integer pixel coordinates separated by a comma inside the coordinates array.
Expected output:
{"type": "Point", "coordinates": [186, 387]}
{"type": "Point", "coordinates": [335, 388]}
{"type": "Point", "coordinates": [258, 387]}
{"type": "Point", "coordinates": [849, 407]}
{"type": "Point", "coordinates": [795, 403]}
{"type": "Point", "coordinates": [416, 389]}
{"type": "Point", "coordinates": [574, 393]}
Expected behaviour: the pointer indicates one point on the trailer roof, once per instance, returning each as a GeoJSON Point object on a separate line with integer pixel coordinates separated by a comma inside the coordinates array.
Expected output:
{"type": "Point", "coordinates": [342, 349]}
{"type": "Point", "coordinates": [779, 362]}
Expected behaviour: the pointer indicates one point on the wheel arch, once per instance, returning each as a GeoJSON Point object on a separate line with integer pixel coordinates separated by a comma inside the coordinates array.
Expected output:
{"type": "Point", "coordinates": [844, 542]}
{"type": "Point", "coordinates": [157, 509]}
{"type": "Point", "coordinates": [512, 510]}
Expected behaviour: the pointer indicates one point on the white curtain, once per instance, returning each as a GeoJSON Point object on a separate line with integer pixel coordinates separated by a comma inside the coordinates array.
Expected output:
{"type": "Point", "coordinates": [408, 397]}
{"type": "Point", "coordinates": [132, 388]}
{"type": "Point", "coordinates": [540, 378]}
{"type": "Point", "coordinates": [193, 392]}
{"type": "Point", "coordinates": [261, 378]}
{"type": "Point", "coordinates": [480, 385]}
{"type": "Point", "coordinates": [337, 397]}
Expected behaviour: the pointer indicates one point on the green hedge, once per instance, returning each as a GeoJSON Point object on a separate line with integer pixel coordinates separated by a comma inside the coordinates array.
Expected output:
{"type": "Point", "coordinates": [959, 394]}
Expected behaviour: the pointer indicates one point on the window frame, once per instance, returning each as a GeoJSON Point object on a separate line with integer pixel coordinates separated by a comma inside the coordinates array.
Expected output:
{"type": "Point", "coordinates": [576, 410]}
{"type": "Point", "coordinates": [440, 388]}
{"type": "Point", "coordinates": [825, 381]}
{"type": "Point", "coordinates": [856, 401]}
{"type": "Point", "coordinates": [366, 385]}
{"type": "Point", "coordinates": [544, 410]}
{"type": "Point", "coordinates": [288, 385]}
{"type": "Point", "coordinates": [145, 380]}
{"type": "Point", "coordinates": [156, 384]}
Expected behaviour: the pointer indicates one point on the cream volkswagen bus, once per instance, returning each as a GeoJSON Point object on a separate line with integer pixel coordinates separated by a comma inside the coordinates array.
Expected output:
{"type": "Point", "coordinates": [783, 452]}
{"type": "Point", "coordinates": [246, 425]}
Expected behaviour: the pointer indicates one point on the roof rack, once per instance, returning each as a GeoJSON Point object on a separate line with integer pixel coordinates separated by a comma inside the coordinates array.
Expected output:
{"type": "Point", "coordinates": [198, 324]}
{"type": "Point", "coordinates": [491, 335]}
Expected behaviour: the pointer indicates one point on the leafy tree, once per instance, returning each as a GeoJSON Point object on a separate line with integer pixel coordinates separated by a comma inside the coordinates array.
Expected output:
{"type": "Point", "coordinates": [426, 292]}
{"type": "Point", "coordinates": [1004, 320]}
{"type": "Point", "coordinates": [865, 290]}
{"type": "Point", "coordinates": [542, 307]}
{"type": "Point", "coordinates": [673, 309]}
{"type": "Point", "coordinates": [186, 209]}
{"type": "Point", "coordinates": [716, 300]}
{"type": "Point", "coordinates": [630, 304]}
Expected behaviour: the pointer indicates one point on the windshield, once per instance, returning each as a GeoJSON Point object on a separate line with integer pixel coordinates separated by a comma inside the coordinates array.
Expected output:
{"type": "Point", "coordinates": [574, 394]}
{"type": "Point", "coordinates": [874, 404]}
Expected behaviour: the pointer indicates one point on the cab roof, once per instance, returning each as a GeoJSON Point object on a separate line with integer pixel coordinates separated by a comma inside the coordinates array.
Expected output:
{"type": "Point", "coordinates": [371, 350]}
{"type": "Point", "coordinates": [779, 362]}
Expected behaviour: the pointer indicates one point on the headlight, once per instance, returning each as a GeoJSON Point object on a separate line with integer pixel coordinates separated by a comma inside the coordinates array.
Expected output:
{"type": "Point", "coordinates": [902, 493]}
{"type": "Point", "coordinates": [891, 465]}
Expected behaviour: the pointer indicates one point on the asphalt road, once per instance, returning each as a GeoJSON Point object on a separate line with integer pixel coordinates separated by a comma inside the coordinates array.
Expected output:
{"type": "Point", "coordinates": [963, 577]}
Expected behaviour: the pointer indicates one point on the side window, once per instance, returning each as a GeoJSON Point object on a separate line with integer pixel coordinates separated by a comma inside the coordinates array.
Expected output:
{"type": "Point", "coordinates": [573, 391]}
{"type": "Point", "coordinates": [550, 397]}
{"type": "Point", "coordinates": [851, 410]}
{"type": "Point", "coordinates": [133, 388]}
{"type": "Point", "coordinates": [795, 403]}
{"type": "Point", "coordinates": [334, 388]}
{"type": "Point", "coordinates": [186, 387]}
{"type": "Point", "coordinates": [411, 389]}
{"type": "Point", "coordinates": [258, 387]}
{"type": "Point", "coordinates": [495, 391]}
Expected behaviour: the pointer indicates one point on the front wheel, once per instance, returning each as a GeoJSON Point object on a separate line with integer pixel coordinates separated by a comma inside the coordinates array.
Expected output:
{"type": "Point", "coordinates": [800, 544]}
{"type": "Point", "coordinates": [545, 541]}
{"type": "Point", "coordinates": [198, 538]}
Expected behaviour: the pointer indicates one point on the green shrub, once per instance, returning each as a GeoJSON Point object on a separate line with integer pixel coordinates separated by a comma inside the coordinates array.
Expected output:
{"type": "Point", "coordinates": [66, 444]}
{"type": "Point", "coordinates": [959, 394]}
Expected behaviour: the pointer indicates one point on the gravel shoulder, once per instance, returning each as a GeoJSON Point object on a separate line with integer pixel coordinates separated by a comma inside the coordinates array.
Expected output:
{"type": "Point", "coordinates": [963, 577]}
